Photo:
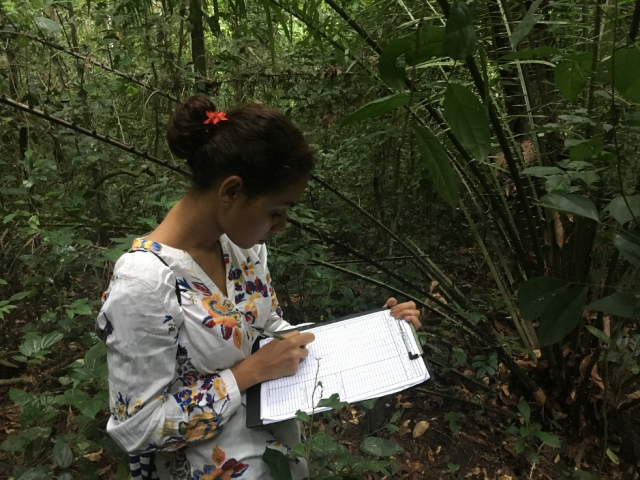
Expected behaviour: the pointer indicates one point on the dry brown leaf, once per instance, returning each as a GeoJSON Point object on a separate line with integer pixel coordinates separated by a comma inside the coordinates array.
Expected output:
{"type": "Point", "coordinates": [420, 428]}
{"type": "Point", "coordinates": [558, 229]}
{"type": "Point", "coordinates": [411, 467]}
{"type": "Point", "coordinates": [95, 456]}
{"type": "Point", "coordinates": [354, 421]}
{"type": "Point", "coordinates": [596, 378]}
{"type": "Point", "coordinates": [430, 455]}
{"type": "Point", "coordinates": [634, 396]}
{"type": "Point", "coordinates": [540, 397]}
{"type": "Point", "coordinates": [606, 325]}
{"type": "Point", "coordinates": [472, 473]}
{"type": "Point", "coordinates": [505, 389]}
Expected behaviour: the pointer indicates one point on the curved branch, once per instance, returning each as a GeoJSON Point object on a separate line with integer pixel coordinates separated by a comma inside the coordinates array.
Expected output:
{"type": "Point", "coordinates": [91, 133]}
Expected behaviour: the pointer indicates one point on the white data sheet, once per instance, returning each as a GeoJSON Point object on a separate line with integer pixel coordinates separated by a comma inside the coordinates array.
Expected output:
{"type": "Point", "coordinates": [359, 358]}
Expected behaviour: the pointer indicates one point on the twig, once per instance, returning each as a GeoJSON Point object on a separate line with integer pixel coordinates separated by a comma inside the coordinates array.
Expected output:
{"type": "Point", "coordinates": [91, 133]}
{"type": "Point", "coordinates": [5, 382]}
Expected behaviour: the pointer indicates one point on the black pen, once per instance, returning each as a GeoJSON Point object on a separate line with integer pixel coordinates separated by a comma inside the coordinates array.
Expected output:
{"type": "Point", "coordinates": [267, 333]}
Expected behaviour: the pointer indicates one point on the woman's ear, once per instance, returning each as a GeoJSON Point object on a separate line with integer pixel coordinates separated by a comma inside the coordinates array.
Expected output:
{"type": "Point", "coordinates": [230, 190]}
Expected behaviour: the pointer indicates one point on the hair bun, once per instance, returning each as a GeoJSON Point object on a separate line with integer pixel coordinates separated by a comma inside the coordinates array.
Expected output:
{"type": "Point", "coordinates": [187, 131]}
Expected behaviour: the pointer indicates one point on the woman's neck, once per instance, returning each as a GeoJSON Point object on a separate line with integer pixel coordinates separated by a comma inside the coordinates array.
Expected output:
{"type": "Point", "coordinates": [190, 225]}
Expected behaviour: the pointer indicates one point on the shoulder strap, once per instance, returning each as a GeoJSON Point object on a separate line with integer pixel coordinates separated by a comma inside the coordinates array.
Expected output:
{"type": "Point", "coordinates": [167, 265]}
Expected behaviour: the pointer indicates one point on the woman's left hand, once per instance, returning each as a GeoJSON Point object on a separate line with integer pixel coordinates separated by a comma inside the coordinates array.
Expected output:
{"type": "Point", "coordinates": [407, 310]}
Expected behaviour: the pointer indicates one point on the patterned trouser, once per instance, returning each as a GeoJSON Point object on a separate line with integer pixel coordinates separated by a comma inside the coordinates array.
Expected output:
{"type": "Point", "coordinates": [143, 467]}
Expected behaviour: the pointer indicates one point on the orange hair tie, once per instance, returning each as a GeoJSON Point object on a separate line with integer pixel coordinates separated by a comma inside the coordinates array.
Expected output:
{"type": "Point", "coordinates": [215, 117]}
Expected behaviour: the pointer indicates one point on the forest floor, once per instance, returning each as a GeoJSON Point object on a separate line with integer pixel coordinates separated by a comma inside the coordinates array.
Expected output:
{"type": "Point", "coordinates": [471, 444]}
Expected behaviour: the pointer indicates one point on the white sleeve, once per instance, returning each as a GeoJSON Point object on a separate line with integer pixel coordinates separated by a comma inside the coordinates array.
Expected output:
{"type": "Point", "coordinates": [140, 323]}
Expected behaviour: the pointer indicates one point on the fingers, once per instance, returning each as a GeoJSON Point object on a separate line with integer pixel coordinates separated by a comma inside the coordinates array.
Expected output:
{"type": "Point", "coordinates": [305, 338]}
{"type": "Point", "coordinates": [304, 352]}
{"type": "Point", "coordinates": [409, 312]}
{"type": "Point", "coordinates": [391, 302]}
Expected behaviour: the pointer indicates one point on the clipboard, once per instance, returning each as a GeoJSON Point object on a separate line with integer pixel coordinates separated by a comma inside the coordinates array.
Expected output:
{"type": "Point", "coordinates": [254, 393]}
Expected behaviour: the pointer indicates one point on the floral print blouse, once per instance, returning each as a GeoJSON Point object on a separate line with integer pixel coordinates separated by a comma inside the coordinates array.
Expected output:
{"type": "Point", "coordinates": [172, 338]}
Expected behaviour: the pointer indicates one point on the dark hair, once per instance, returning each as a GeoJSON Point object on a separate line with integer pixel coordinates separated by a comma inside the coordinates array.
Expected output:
{"type": "Point", "coordinates": [259, 144]}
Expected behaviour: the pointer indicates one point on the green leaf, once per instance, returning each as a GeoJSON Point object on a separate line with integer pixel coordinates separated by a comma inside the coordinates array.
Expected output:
{"type": "Point", "coordinates": [626, 73]}
{"type": "Point", "coordinates": [529, 54]}
{"type": "Point", "coordinates": [396, 416]}
{"type": "Point", "coordinates": [535, 295]}
{"type": "Point", "coordinates": [599, 334]}
{"type": "Point", "coordinates": [277, 463]}
{"type": "Point", "coordinates": [37, 473]}
{"type": "Point", "coordinates": [19, 441]}
{"type": "Point", "coordinates": [571, 77]}
{"type": "Point", "coordinates": [69, 476]}
{"type": "Point", "coordinates": [621, 212]}
{"type": "Point", "coordinates": [299, 451]}
{"type": "Point", "coordinates": [382, 105]}
{"type": "Point", "coordinates": [542, 171]}
{"type": "Point", "coordinates": [325, 445]}
{"type": "Point", "coordinates": [441, 172]}
{"type": "Point", "coordinates": [629, 247]}
{"type": "Point", "coordinates": [368, 404]}
{"type": "Point", "coordinates": [20, 295]}
{"type": "Point", "coordinates": [19, 396]}
{"type": "Point", "coordinates": [582, 475]}
{"type": "Point", "coordinates": [613, 457]}
{"type": "Point", "coordinates": [519, 445]}
{"type": "Point", "coordinates": [524, 27]}
{"type": "Point", "coordinates": [626, 305]}
{"type": "Point", "coordinates": [47, 24]}
{"type": "Point", "coordinates": [332, 402]}
{"type": "Point", "coordinates": [303, 416]}
{"type": "Point", "coordinates": [95, 357]}
{"type": "Point", "coordinates": [571, 203]}
{"type": "Point", "coordinates": [562, 315]}
{"type": "Point", "coordinates": [390, 73]}
{"type": "Point", "coordinates": [468, 120]}
{"type": "Point", "coordinates": [459, 34]}
{"type": "Point", "coordinates": [557, 184]}
{"type": "Point", "coordinates": [380, 447]}
{"type": "Point", "coordinates": [525, 411]}
{"type": "Point", "coordinates": [62, 455]}
{"type": "Point", "coordinates": [416, 47]}
{"type": "Point", "coordinates": [50, 339]}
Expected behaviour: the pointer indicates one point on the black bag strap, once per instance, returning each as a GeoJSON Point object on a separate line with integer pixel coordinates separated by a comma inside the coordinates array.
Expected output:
{"type": "Point", "coordinates": [178, 295]}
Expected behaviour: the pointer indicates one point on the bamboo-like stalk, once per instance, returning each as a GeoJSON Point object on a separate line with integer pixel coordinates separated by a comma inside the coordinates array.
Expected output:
{"type": "Point", "coordinates": [91, 133]}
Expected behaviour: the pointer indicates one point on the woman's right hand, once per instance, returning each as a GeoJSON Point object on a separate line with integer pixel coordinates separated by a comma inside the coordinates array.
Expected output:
{"type": "Point", "coordinates": [277, 359]}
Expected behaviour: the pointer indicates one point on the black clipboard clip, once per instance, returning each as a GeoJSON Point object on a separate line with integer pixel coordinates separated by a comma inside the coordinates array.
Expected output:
{"type": "Point", "coordinates": [405, 339]}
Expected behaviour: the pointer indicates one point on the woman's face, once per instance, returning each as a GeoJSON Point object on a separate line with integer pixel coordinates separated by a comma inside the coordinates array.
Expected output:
{"type": "Point", "coordinates": [250, 221]}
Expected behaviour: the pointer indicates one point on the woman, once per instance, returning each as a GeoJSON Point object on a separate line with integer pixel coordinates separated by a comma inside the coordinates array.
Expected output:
{"type": "Point", "coordinates": [178, 315]}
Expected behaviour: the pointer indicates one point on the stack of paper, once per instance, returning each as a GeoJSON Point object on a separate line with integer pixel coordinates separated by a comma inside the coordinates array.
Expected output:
{"type": "Point", "coordinates": [360, 358]}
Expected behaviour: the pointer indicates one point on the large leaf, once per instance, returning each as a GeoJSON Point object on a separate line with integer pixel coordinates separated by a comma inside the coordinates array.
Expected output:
{"type": "Point", "coordinates": [571, 203]}
{"type": "Point", "coordinates": [571, 77]}
{"type": "Point", "coordinates": [390, 73]}
{"type": "Point", "coordinates": [380, 447]}
{"type": "Point", "coordinates": [562, 315]}
{"type": "Point", "coordinates": [536, 294]}
{"type": "Point", "coordinates": [629, 247]}
{"type": "Point", "coordinates": [325, 445]}
{"type": "Point", "coordinates": [429, 45]}
{"type": "Point", "coordinates": [277, 463]}
{"type": "Point", "coordinates": [621, 304]}
{"type": "Point", "coordinates": [524, 27]}
{"type": "Point", "coordinates": [624, 211]}
{"type": "Point", "coordinates": [626, 73]}
{"type": "Point", "coordinates": [459, 34]}
{"type": "Point", "coordinates": [47, 24]}
{"type": "Point", "coordinates": [62, 454]}
{"type": "Point", "coordinates": [440, 170]}
{"type": "Point", "coordinates": [416, 47]}
{"type": "Point", "coordinates": [382, 105]}
{"type": "Point", "coordinates": [468, 120]}
{"type": "Point", "coordinates": [37, 473]}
